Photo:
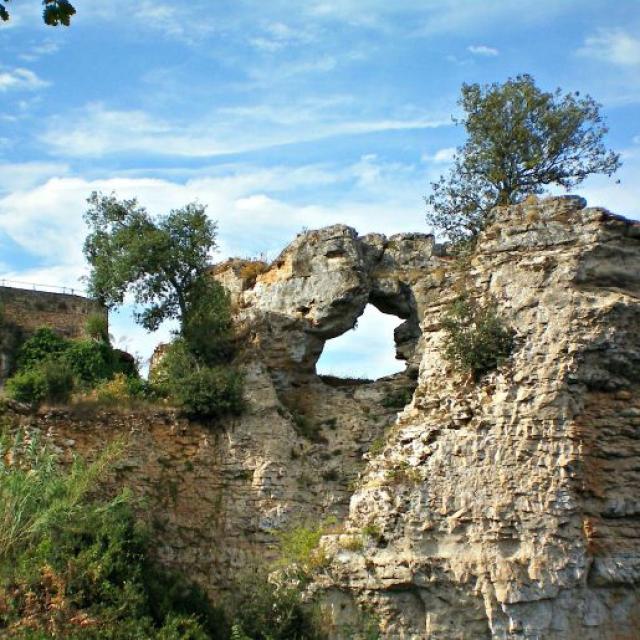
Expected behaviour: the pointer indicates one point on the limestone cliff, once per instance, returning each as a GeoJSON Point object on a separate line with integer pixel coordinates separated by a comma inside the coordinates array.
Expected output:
{"type": "Point", "coordinates": [507, 508]}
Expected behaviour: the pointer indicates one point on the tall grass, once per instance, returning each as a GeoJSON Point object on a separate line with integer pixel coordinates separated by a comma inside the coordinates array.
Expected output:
{"type": "Point", "coordinates": [36, 494]}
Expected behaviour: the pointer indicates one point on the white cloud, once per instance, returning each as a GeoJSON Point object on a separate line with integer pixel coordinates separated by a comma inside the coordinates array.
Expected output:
{"type": "Point", "coordinates": [442, 156]}
{"type": "Point", "coordinates": [613, 45]}
{"type": "Point", "coordinates": [20, 79]}
{"type": "Point", "coordinates": [19, 176]}
{"type": "Point", "coordinates": [98, 130]}
{"type": "Point", "coordinates": [482, 50]}
{"type": "Point", "coordinates": [276, 36]}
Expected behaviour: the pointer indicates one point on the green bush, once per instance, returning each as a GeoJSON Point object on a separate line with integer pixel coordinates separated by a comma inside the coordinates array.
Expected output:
{"type": "Point", "coordinates": [44, 344]}
{"type": "Point", "coordinates": [477, 340]}
{"type": "Point", "coordinates": [48, 382]}
{"type": "Point", "coordinates": [207, 328]}
{"type": "Point", "coordinates": [50, 366]}
{"type": "Point", "coordinates": [90, 361]}
{"type": "Point", "coordinates": [265, 609]}
{"type": "Point", "coordinates": [202, 392]}
{"type": "Point", "coordinates": [397, 399]}
{"type": "Point", "coordinates": [97, 327]}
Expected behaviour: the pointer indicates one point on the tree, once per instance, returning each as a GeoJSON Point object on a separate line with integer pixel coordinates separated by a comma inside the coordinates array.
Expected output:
{"type": "Point", "coordinates": [162, 263]}
{"type": "Point", "coordinates": [520, 139]}
{"type": "Point", "coordinates": [55, 12]}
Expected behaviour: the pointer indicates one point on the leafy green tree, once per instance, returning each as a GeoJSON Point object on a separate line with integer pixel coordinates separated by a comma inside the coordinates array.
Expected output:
{"type": "Point", "coordinates": [520, 139]}
{"type": "Point", "coordinates": [161, 262]}
{"type": "Point", "coordinates": [55, 12]}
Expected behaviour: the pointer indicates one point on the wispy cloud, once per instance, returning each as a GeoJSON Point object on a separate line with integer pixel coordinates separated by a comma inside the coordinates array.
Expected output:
{"type": "Point", "coordinates": [98, 130]}
{"type": "Point", "coordinates": [616, 46]}
{"type": "Point", "coordinates": [46, 48]}
{"type": "Point", "coordinates": [482, 50]}
{"type": "Point", "coordinates": [276, 36]}
{"type": "Point", "coordinates": [20, 79]}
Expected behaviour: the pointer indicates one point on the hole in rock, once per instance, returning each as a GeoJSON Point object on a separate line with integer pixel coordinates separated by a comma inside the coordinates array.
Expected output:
{"type": "Point", "coordinates": [368, 351]}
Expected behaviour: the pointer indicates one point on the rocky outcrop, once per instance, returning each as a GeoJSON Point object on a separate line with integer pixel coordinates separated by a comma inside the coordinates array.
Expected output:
{"type": "Point", "coordinates": [502, 508]}
{"type": "Point", "coordinates": [509, 508]}
{"type": "Point", "coordinates": [319, 286]}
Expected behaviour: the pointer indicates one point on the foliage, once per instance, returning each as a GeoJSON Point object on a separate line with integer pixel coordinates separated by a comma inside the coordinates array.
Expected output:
{"type": "Point", "coordinates": [377, 446]}
{"type": "Point", "coordinates": [77, 567]}
{"type": "Point", "coordinates": [477, 340]}
{"type": "Point", "coordinates": [160, 262]}
{"type": "Point", "coordinates": [120, 390]}
{"type": "Point", "coordinates": [520, 139]}
{"type": "Point", "coordinates": [97, 327]}
{"type": "Point", "coordinates": [44, 344]}
{"type": "Point", "coordinates": [92, 361]}
{"type": "Point", "coordinates": [10, 340]}
{"type": "Point", "coordinates": [206, 327]}
{"type": "Point", "coordinates": [397, 399]}
{"type": "Point", "coordinates": [202, 391]}
{"type": "Point", "coordinates": [300, 548]}
{"type": "Point", "coordinates": [55, 12]}
{"type": "Point", "coordinates": [50, 367]}
{"type": "Point", "coordinates": [264, 609]}
{"type": "Point", "coordinates": [48, 381]}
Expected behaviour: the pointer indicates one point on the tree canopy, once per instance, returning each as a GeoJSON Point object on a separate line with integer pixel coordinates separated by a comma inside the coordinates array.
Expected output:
{"type": "Point", "coordinates": [520, 140]}
{"type": "Point", "coordinates": [160, 262]}
{"type": "Point", "coordinates": [55, 12]}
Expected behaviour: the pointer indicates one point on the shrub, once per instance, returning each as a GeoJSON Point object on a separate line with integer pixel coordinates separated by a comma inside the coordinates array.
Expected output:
{"type": "Point", "coordinates": [397, 399]}
{"type": "Point", "coordinates": [202, 392]}
{"type": "Point", "coordinates": [477, 340]}
{"type": "Point", "coordinates": [44, 344]}
{"type": "Point", "coordinates": [265, 609]}
{"type": "Point", "coordinates": [91, 361]}
{"type": "Point", "coordinates": [251, 269]}
{"type": "Point", "coordinates": [377, 446]}
{"type": "Point", "coordinates": [49, 382]}
{"type": "Point", "coordinates": [207, 328]}
{"type": "Point", "coordinates": [97, 327]}
{"type": "Point", "coordinates": [300, 548]}
{"type": "Point", "coordinates": [121, 390]}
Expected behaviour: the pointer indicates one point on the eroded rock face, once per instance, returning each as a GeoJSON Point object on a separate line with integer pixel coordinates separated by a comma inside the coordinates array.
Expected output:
{"type": "Point", "coordinates": [509, 508]}
{"type": "Point", "coordinates": [320, 285]}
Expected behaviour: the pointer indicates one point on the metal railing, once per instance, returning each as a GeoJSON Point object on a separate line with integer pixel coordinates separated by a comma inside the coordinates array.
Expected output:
{"type": "Point", "coordinates": [47, 288]}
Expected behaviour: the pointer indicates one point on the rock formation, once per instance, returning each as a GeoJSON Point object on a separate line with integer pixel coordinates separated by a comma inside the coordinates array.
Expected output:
{"type": "Point", "coordinates": [509, 508]}
{"type": "Point", "coordinates": [505, 508]}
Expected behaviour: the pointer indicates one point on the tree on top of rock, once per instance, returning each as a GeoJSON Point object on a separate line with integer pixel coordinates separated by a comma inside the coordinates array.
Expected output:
{"type": "Point", "coordinates": [520, 139]}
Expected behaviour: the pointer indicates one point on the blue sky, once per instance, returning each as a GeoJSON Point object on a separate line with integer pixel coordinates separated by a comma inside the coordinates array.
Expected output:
{"type": "Point", "coordinates": [278, 115]}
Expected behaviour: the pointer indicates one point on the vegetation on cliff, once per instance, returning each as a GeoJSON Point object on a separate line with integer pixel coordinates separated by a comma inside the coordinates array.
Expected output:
{"type": "Point", "coordinates": [50, 368]}
{"type": "Point", "coordinates": [77, 565]}
{"type": "Point", "coordinates": [477, 340]}
{"type": "Point", "coordinates": [164, 264]}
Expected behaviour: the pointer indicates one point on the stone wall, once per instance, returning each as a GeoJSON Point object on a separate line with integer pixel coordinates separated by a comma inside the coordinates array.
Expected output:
{"type": "Point", "coordinates": [23, 311]}
{"type": "Point", "coordinates": [215, 494]}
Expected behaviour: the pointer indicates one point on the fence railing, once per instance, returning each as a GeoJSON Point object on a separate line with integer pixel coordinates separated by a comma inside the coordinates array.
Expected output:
{"type": "Point", "coordinates": [48, 288]}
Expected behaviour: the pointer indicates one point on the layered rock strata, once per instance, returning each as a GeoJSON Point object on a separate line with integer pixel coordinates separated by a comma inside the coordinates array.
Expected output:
{"type": "Point", "coordinates": [505, 508]}
{"type": "Point", "coordinates": [509, 508]}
